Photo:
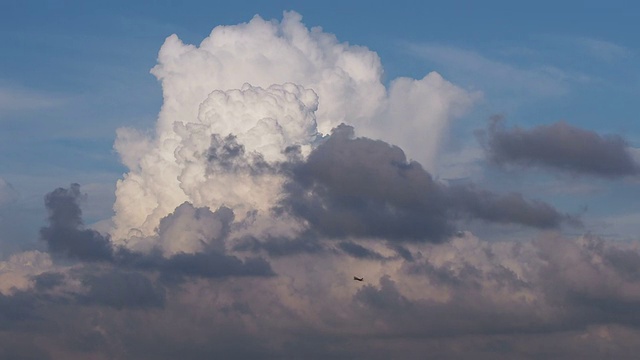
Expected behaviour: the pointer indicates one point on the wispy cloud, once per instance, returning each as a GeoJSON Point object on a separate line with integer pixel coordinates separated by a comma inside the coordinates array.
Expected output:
{"type": "Point", "coordinates": [487, 73]}
{"type": "Point", "coordinates": [602, 49]}
{"type": "Point", "coordinates": [584, 49]}
{"type": "Point", "coordinates": [524, 78]}
{"type": "Point", "coordinates": [15, 98]}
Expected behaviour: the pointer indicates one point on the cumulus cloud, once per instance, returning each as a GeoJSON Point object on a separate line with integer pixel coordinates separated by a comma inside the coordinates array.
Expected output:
{"type": "Point", "coordinates": [560, 146]}
{"type": "Point", "coordinates": [546, 285]}
{"type": "Point", "coordinates": [247, 211]}
{"type": "Point", "coordinates": [418, 114]}
{"type": "Point", "coordinates": [360, 187]}
{"type": "Point", "coordinates": [199, 230]}
{"type": "Point", "coordinates": [223, 120]}
{"type": "Point", "coordinates": [492, 298]}
{"type": "Point", "coordinates": [17, 270]}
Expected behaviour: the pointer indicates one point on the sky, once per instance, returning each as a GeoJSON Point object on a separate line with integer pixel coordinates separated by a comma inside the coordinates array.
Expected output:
{"type": "Point", "coordinates": [202, 179]}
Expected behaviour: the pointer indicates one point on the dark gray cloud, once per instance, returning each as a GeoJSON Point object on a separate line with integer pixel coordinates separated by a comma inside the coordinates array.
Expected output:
{"type": "Point", "coordinates": [16, 308]}
{"type": "Point", "coordinates": [309, 243]}
{"type": "Point", "coordinates": [48, 280]}
{"type": "Point", "coordinates": [120, 289]}
{"type": "Point", "coordinates": [223, 151]}
{"type": "Point", "coordinates": [560, 146]}
{"type": "Point", "coordinates": [65, 236]}
{"type": "Point", "coordinates": [227, 154]}
{"type": "Point", "coordinates": [213, 265]}
{"type": "Point", "coordinates": [401, 251]}
{"type": "Point", "coordinates": [367, 188]}
{"type": "Point", "coordinates": [22, 349]}
{"type": "Point", "coordinates": [359, 251]}
{"type": "Point", "coordinates": [509, 208]}
{"type": "Point", "coordinates": [362, 187]}
{"type": "Point", "coordinates": [278, 246]}
{"type": "Point", "coordinates": [181, 266]}
{"type": "Point", "coordinates": [100, 285]}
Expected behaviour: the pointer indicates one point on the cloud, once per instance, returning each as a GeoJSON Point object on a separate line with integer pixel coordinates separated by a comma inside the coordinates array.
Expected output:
{"type": "Point", "coordinates": [492, 298]}
{"type": "Point", "coordinates": [64, 234]}
{"type": "Point", "coordinates": [215, 265]}
{"type": "Point", "coordinates": [602, 49]}
{"type": "Point", "coordinates": [16, 272]}
{"type": "Point", "coordinates": [48, 280]}
{"type": "Point", "coordinates": [19, 99]}
{"type": "Point", "coordinates": [509, 208]}
{"type": "Point", "coordinates": [418, 116]}
{"type": "Point", "coordinates": [234, 104]}
{"type": "Point", "coordinates": [23, 349]}
{"type": "Point", "coordinates": [560, 146]}
{"type": "Point", "coordinates": [306, 243]}
{"type": "Point", "coordinates": [465, 287]}
{"type": "Point", "coordinates": [488, 74]}
{"type": "Point", "coordinates": [582, 276]}
{"type": "Point", "coordinates": [204, 232]}
{"type": "Point", "coordinates": [248, 210]}
{"type": "Point", "coordinates": [359, 251]}
{"type": "Point", "coordinates": [120, 289]}
{"type": "Point", "coordinates": [219, 151]}
{"type": "Point", "coordinates": [360, 187]}
{"type": "Point", "coordinates": [16, 308]}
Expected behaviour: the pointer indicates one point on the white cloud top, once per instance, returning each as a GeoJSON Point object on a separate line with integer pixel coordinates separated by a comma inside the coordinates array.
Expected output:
{"type": "Point", "coordinates": [226, 87]}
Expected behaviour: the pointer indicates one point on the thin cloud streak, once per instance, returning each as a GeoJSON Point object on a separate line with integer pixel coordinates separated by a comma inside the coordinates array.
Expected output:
{"type": "Point", "coordinates": [487, 73]}
{"type": "Point", "coordinates": [15, 99]}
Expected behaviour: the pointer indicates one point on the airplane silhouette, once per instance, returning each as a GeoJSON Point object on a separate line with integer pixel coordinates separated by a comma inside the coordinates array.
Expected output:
{"type": "Point", "coordinates": [358, 278]}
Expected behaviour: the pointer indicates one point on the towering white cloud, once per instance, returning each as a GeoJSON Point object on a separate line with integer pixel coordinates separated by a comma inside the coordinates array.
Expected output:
{"type": "Point", "coordinates": [417, 115]}
{"type": "Point", "coordinates": [236, 103]}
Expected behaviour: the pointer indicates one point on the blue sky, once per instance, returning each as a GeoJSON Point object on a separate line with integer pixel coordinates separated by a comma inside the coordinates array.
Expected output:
{"type": "Point", "coordinates": [540, 113]}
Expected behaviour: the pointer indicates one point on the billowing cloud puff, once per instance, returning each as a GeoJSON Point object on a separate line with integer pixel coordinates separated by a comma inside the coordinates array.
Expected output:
{"type": "Point", "coordinates": [190, 242]}
{"type": "Point", "coordinates": [224, 123]}
{"type": "Point", "coordinates": [417, 115]}
{"type": "Point", "coordinates": [222, 157]}
{"type": "Point", "coordinates": [16, 272]}
{"type": "Point", "coordinates": [358, 187]}
{"type": "Point", "coordinates": [346, 78]}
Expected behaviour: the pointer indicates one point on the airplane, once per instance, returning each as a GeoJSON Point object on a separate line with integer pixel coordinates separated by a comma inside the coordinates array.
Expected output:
{"type": "Point", "coordinates": [358, 278]}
